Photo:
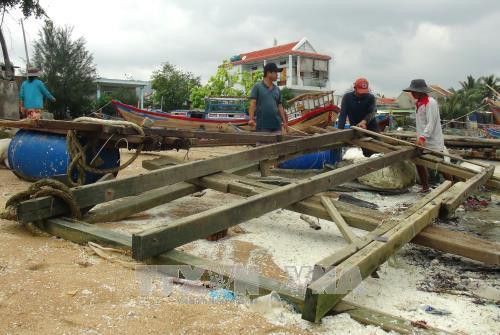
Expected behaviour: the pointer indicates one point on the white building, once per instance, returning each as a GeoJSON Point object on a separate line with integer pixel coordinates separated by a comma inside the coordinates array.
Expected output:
{"type": "Point", "coordinates": [304, 70]}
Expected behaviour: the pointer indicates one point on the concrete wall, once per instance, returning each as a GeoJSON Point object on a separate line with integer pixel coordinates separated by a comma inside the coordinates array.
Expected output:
{"type": "Point", "coordinates": [9, 100]}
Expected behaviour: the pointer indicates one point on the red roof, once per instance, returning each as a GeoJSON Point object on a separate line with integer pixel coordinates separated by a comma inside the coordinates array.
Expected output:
{"type": "Point", "coordinates": [386, 101]}
{"type": "Point", "coordinates": [277, 51]}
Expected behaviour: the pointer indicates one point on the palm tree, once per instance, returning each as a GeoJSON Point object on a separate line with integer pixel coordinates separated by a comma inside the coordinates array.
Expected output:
{"type": "Point", "coordinates": [492, 82]}
{"type": "Point", "coordinates": [469, 83]}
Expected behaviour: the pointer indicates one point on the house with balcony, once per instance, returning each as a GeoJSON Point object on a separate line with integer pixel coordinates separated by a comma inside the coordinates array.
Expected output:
{"type": "Point", "coordinates": [304, 69]}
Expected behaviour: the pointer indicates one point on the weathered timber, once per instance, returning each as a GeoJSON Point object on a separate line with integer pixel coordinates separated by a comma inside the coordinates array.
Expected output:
{"type": "Point", "coordinates": [325, 292]}
{"type": "Point", "coordinates": [453, 140]}
{"type": "Point", "coordinates": [339, 221]}
{"type": "Point", "coordinates": [429, 161]}
{"type": "Point", "coordinates": [389, 140]}
{"type": "Point", "coordinates": [461, 190]}
{"type": "Point", "coordinates": [328, 262]}
{"type": "Point", "coordinates": [125, 207]}
{"type": "Point", "coordinates": [157, 240]}
{"type": "Point", "coordinates": [80, 232]}
{"type": "Point", "coordinates": [88, 195]}
{"type": "Point", "coordinates": [457, 243]}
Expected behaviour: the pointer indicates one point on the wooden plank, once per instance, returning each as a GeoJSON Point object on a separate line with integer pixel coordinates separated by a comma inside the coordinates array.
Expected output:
{"type": "Point", "coordinates": [125, 207]}
{"type": "Point", "coordinates": [88, 195]}
{"type": "Point", "coordinates": [389, 139]}
{"type": "Point", "coordinates": [456, 243]}
{"type": "Point", "coordinates": [80, 232]}
{"type": "Point", "coordinates": [453, 140]}
{"type": "Point", "coordinates": [325, 292]}
{"type": "Point", "coordinates": [339, 221]}
{"type": "Point", "coordinates": [461, 190]}
{"type": "Point", "coordinates": [157, 240]}
{"type": "Point", "coordinates": [430, 162]}
{"type": "Point", "coordinates": [328, 262]}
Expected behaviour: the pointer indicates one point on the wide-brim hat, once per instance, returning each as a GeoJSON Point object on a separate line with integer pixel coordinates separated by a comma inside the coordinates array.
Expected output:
{"type": "Point", "coordinates": [418, 85]}
{"type": "Point", "coordinates": [33, 72]}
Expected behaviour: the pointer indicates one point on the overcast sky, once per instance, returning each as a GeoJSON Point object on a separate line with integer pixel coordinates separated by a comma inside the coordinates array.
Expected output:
{"type": "Point", "coordinates": [388, 42]}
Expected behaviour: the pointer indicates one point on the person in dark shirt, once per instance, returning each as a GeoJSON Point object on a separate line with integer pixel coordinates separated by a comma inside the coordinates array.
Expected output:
{"type": "Point", "coordinates": [266, 110]}
{"type": "Point", "coordinates": [360, 107]}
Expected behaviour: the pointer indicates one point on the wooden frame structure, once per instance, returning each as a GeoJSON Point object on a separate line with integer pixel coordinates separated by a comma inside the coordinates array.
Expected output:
{"type": "Point", "coordinates": [335, 275]}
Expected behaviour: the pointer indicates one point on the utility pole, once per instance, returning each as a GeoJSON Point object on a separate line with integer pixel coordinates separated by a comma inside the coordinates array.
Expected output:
{"type": "Point", "coordinates": [25, 48]}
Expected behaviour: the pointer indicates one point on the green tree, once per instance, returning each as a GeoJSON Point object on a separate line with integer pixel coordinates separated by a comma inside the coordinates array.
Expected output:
{"type": "Point", "coordinates": [286, 94]}
{"type": "Point", "coordinates": [68, 69]}
{"type": "Point", "coordinates": [468, 98]}
{"type": "Point", "coordinates": [103, 104]}
{"type": "Point", "coordinates": [225, 83]}
{"type": "Point", "coordinates": [29, 7]}
{"type": "Point", "coordinates": [173, 86]}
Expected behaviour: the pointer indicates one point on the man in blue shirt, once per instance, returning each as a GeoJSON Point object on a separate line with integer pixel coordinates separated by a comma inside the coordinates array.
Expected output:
{"type": "Point", "coordinates": [31, 95]}
{"type": "Point", "coordinates": [266, 110]}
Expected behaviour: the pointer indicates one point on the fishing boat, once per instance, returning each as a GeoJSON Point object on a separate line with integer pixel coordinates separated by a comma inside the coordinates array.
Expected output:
{"type": "Point", "coordinates": [225, 119]}
{"type": "Point", "coordinates": [228, 114]}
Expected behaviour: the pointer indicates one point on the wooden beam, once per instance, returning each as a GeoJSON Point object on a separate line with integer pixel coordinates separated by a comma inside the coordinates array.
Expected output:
{"type": "Point", "coordinates": [389, 139]}
{"type": "Point", "coordinates": [89, 195]}
{"type": "Point", "coordinates": [339, 221]}
{"type": "Point", "coordinates": [80, 232]}
{"type": "Point", "coordinates": [461, 190]}
{"type": "Point", "coordinates": [157, 240]}
{"type": "Point", "coordinates": [455, 243]}
{"type": "Point", "coordinates": [429, 161]}
{"type": "Point", "coordinates": [325, 292]}
{"type": "Point", "coordinates": [328, 262]}
{"type": "Point", "coordinates": [125, 207]}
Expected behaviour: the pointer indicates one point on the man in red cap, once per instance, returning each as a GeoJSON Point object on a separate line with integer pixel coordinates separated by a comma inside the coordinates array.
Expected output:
{"type": "Point", "coordinates": [360, 107]}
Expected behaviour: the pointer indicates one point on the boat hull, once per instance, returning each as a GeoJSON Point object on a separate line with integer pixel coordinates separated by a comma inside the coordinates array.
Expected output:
{"type": "Point", "coordinates": [139, 116]}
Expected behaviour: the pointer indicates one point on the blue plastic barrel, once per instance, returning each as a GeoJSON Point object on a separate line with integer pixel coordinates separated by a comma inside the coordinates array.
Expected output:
{"type": "Point", "coordinates": [35, 155]}
{"type": "Point", "coordinates": [315, 160]}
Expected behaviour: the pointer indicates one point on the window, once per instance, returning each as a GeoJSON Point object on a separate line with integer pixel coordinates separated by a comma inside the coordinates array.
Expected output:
{"type": "Point", "coordinates": [253, 68]}
{"type": "Point", "coordinates": [283, 62]}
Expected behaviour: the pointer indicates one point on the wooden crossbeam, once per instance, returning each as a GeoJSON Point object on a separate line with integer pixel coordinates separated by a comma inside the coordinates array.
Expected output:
{"type": "Point", "coordinates": [323, 293]}
{"type": "Point", "coordinates": [336, 258]}
{"type": "Point", "coordinates": [462, 190]}
{"type": "Point", "coordinates": [89, 195]}
{"type": "Point", "coordinates": [340, 222]}
{"type": "Point", "coordinates": [429, 161]}
{"type": "Point", "coordinates": [406, 143]}
{"type": "Point", "coordinates": [434, 237]}
{"type": "Point", "coordinates": [80, 232]}
{"type": "Point", "coordinates": [157, 240]}
{"type": "Point", "coordinates": [128, 206]}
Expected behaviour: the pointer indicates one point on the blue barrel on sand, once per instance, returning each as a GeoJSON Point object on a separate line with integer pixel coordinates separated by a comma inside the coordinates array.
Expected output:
{"type": "Point", "coordinates": [35, 155]}
{"type": "Point", "coordinates": [315, 160]}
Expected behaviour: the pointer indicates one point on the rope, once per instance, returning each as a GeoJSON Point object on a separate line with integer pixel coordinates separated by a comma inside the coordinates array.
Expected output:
{"type": "Point", "coordinates": [41, 188]}
{"type": "Point", "coordinates": [77, 151]}
{"type": "Point", "coordinates": [454, 120]}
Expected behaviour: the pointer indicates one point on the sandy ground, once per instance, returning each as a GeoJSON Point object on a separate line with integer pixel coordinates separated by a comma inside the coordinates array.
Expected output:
{"type": "Point", "coordinates": [48, 285]}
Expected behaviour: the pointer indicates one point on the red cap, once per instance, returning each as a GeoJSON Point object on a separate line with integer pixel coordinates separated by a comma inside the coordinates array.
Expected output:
{"type": "Point", "coordinates": [361, 85]}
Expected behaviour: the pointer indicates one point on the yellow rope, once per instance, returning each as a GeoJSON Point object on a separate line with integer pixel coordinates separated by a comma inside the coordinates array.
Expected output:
{"type": "Point", "coordinates": [77, 152]}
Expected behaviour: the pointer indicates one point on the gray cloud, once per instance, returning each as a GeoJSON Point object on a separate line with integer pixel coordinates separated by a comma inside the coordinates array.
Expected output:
{"type": "Point", "coordinates": [389, 42]}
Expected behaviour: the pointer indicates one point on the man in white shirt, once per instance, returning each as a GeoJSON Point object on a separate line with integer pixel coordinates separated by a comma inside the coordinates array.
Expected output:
{"type": "Point", "coordinates": [429, 131]}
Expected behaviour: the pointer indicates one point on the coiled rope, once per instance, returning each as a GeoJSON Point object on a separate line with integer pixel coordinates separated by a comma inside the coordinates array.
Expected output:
{"type": "Point", "coordinates": [77, 151]}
